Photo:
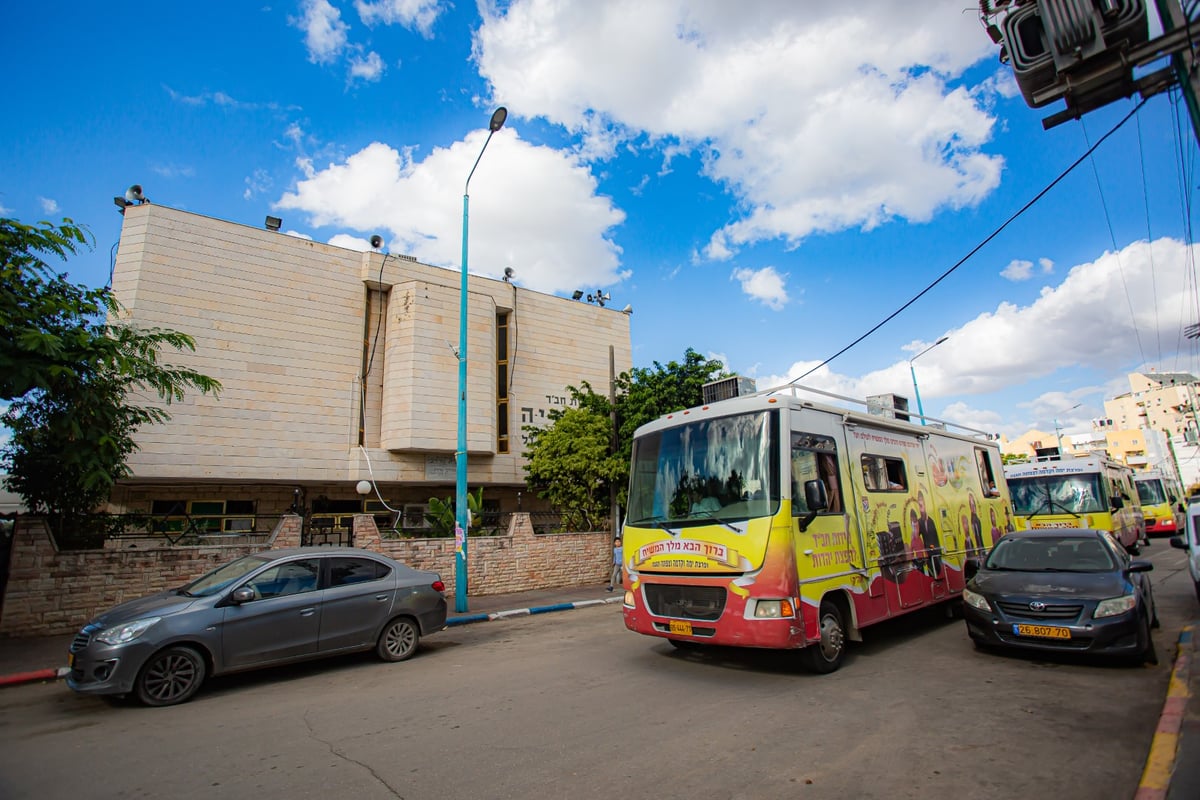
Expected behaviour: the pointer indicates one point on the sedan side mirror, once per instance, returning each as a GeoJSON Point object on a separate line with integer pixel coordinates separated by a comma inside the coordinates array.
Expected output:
{"type": "Point", "coordinates": [243, 594]}
{"type": "Point", "coordinates": [1140, 566]}
{"type": "Point", "coordinates": [970, 568]}
{"type": "Point", "coordinates": [1177, 541]}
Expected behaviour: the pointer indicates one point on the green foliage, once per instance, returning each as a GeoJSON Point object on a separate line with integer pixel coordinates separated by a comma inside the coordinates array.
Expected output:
{"type": "Point", "coordinates": [69, 370]}
{"type": "Point", "coordinates": [573, 462]}
{"type": "Point", "coordinates": [441, 517]}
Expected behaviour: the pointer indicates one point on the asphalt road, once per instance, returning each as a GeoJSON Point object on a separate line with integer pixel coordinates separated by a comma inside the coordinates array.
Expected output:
{"type": "Point", "coordinates": [573, 705]}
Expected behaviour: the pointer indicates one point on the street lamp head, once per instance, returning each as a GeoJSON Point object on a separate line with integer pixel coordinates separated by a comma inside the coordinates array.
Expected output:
{"type": "Point", "coordinates": [498, 118]}
{"type": "Point", "coordinates": [939, 341]}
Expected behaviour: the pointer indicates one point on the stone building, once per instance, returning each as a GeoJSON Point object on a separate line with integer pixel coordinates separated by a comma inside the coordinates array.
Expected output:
{"type": "Point", "coordinates": [340, 367]}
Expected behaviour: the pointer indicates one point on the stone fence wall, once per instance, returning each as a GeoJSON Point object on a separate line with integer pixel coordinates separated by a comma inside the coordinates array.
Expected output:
{"type": "Point", "coordinates": [55, 592]}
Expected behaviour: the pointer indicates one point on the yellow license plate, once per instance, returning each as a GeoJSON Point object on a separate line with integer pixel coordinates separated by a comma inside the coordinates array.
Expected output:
{"type": "Point", "coordinates": [1042, 631]}
{"type": "Point", "coordinates": [682, 628]}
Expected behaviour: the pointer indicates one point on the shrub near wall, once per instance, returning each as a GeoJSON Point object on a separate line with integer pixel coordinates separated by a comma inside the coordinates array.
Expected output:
{"type": "Point", "coordinates": [52, 592]}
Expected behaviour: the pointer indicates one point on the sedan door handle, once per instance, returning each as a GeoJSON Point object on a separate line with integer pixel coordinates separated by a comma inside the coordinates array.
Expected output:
{"type": "Point", "coordinates": [381, 597]}
{"type": "Point", "coordinates": [308, 612]}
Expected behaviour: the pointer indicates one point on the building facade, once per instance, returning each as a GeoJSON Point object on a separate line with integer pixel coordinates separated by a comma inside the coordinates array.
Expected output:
{"type": "Point", "coordinates": [340, 367]}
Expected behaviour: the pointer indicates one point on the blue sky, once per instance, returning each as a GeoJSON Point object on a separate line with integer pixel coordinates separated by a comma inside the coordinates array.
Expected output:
{"type": "Point", "coordinates": [763, 182]}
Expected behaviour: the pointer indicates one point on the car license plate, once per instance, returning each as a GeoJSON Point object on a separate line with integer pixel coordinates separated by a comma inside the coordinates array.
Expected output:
{"type": "Point", "coordinates": [680, 627]}
{"type": "Point", "coordinates": [1042, 631]}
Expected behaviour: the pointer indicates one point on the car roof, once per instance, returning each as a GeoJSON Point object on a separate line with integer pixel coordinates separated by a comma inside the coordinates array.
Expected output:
{"type": "Point", "coordinates": [1044, 533]}
{"type": "Point", "coordinates": [287, 552]}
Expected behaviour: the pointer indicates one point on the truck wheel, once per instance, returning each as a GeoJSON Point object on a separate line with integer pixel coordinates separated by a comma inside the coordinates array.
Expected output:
{"type": "Point", "coordinates": [826, 655]}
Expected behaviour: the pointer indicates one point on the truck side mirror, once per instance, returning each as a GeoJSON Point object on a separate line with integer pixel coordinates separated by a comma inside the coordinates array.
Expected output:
{"type": "Point", "coordinates": [1117, 503]}
{"type": "Point", "coordinates": [816, 497]}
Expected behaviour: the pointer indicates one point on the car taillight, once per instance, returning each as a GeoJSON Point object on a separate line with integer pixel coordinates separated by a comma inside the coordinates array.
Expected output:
{"type": "Point", "coordinates": [438, 586]}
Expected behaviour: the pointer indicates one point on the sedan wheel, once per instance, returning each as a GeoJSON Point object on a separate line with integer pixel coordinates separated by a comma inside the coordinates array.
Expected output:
{"type": "Point", "coordinates": [1148, 655]}
{"type": "Point", "coordinates": [399, 640]}
{"type": "Point", "coordinates": [170, 676]}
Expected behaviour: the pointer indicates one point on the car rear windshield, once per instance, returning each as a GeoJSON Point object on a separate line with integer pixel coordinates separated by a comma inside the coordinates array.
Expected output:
{"type": "Point", "coordinates": [220, 578]}
{"type": "Point", "coordinates": [1051, 553]}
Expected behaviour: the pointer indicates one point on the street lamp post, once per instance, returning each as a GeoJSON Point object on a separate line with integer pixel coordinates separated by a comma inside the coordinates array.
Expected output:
{"type": "Point", "coordinates": [1058, 428]}
{"type": "Point", "coordinates": [462, 514]}
{"type": "Point", "coordinates": [913, 372]}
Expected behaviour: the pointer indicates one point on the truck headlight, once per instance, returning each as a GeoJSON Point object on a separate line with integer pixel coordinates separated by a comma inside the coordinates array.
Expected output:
{"type": "Point", "coordinates": [773, 609]}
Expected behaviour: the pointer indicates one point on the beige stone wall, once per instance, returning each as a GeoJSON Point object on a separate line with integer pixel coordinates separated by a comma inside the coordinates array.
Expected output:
{"type": "Point", "coordinates": [288, 325]}
{"type": "Point", "coordinates": [51, 592]}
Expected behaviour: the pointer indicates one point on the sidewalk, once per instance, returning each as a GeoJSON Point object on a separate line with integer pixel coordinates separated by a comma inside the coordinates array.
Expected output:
{"type": "Point", "coordinates": [42, 658]}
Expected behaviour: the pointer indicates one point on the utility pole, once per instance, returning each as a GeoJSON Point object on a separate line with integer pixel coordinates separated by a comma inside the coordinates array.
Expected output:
{"type": "Point", "coordinates": [1172, 16]}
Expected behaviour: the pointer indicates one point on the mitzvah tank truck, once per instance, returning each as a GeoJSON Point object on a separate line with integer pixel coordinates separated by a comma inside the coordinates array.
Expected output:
{"type": "Point", "coordinates": [774, 521]}
{"type": "Point", "coordinates": [1084, 491]}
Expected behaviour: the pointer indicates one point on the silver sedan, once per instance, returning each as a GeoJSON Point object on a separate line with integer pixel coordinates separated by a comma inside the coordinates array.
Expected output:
{"type": "Point", "coordinates": [266, 609]}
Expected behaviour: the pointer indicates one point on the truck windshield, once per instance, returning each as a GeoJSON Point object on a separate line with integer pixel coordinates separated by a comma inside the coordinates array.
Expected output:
{"type": "Point", "coordinates": [716, 469]}
{"type": "Point", "coordinates": [1057, 494]}
{"type": "Point", "coordinates": [1151, 492]}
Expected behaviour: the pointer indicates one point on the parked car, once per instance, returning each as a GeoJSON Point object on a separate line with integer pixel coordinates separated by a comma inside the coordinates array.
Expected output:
{"type": "Point", "coordinates": [1189, 540]}
{"type": "Point", "coordinates": [1063, 590]}
{"type": "Point", "coordinates": [266, 609]}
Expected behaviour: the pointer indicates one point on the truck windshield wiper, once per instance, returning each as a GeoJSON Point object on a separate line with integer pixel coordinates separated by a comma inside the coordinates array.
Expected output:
{"type": "Point", "coordinates": [715, 518]}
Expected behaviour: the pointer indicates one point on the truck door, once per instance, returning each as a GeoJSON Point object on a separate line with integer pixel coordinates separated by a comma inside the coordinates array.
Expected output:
{"type": "Point", "coordinates": [889, 469]}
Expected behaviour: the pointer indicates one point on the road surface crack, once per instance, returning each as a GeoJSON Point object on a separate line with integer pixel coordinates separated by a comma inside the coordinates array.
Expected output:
{"type": "Point", "coordinates": [335, 751]}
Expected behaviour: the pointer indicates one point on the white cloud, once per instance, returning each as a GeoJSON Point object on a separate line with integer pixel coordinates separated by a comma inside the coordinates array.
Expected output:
{"type": "Point", "coordinates": [1018, 270]}
{"type": "Point", "coordinates": [350, 242]}
{"type": "Point", "coordinates": [764, 285]}
{"type": "Point", "coordinates": [367, 68]}
{"type": "Point", "coordinates": [1086, 318]}
{"type": "Point", "coordinates": [417, 15]}
{"type": "Point", "coordinates": [532, 208]}
{"type": "Point", "coordinates": [173, 170]}
{"type": "Point", "coordinates": [852, 120]}
{"type": "Point", "coordinates": [324, 31]}
{"type": "Point", "coordinates": [48, 206]}
{"type": "Point", "coordinates": [256, 184]}
{"type": "Point", "coordinates": [1021, 270]}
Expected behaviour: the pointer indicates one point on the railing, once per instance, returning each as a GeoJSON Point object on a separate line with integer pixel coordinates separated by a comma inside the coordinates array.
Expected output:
{"type": "Point", "coordinates": [175, 530]}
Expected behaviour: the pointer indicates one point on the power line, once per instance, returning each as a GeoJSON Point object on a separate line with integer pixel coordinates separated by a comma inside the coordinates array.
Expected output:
{"type": "Point", "coordinates": [979, 246]}
{"type": "Point", "coordinates": [1112, 237]}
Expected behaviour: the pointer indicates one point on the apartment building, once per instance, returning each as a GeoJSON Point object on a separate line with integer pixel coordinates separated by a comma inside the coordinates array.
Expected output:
{"type": "Point", "coordinates": [339, 367]}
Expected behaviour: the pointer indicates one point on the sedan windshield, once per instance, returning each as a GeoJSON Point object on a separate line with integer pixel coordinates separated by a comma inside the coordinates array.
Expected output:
{"type": "Point", "coordinates": [717, 469]}
{"type": "Point", "coordinates": [221, 577]}
{"type": "Point", "coordinates": [1051, 554]}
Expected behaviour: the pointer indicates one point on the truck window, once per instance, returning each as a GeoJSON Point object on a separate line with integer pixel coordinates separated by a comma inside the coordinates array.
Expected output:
{"type": "Point", "coordinates": [883, 474]}
{"type": "Point", "coordinates": [814, 457]}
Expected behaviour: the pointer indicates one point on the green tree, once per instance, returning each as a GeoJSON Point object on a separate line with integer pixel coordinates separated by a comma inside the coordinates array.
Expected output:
{"type": "Point", "coordinates": [69, 369]}
{"type": "Point", "coordinates": [570, 463]}
{"type": "Point", "coordinates": [560, 456]}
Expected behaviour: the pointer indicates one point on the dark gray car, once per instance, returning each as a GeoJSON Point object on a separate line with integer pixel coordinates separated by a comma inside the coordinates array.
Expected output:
{"type": "Point", "coordinates": [270, 608]}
